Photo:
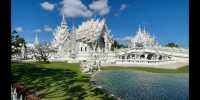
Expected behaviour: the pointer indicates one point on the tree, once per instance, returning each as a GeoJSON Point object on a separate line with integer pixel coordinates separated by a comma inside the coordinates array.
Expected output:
{"type": "Point", "coordinates": [172, 45]}
{"type": "Point", "coordinates": [42, 52]}
{"type": "Point", "coordinates": [117, 45]}
{"type": "Point", "coordinates": [114, 45]}
{"type": "Point", "coordinates": [16, 43]}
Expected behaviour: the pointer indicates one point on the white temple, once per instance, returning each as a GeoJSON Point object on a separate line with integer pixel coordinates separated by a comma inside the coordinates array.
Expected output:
{"type": "Point", "coordinates": [143, 49]}
{"type": "Point", "coordinates": [92, 40]}
{"type": "Point", "coordinates": [90, 37]}
{"type": "Point", "coordinates": [142, 40]}
{"type": "Point", "coordinates": [61, 38]}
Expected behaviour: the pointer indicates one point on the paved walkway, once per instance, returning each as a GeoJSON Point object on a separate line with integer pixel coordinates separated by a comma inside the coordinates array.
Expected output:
{"type": "Point", "coordinates": [164, 66]}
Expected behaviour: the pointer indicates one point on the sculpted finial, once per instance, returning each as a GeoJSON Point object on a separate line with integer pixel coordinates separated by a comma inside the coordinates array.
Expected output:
{"type": "Point", "coordinates": [63, 20]}
{"type": "Point", "coordinates": [144, 30]}
{"type": "Point", "coordinates": [139, 30]}
{"type": "Point", "coordinates": [36, 39]}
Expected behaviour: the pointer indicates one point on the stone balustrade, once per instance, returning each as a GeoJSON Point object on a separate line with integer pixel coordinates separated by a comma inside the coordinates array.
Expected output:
{"type": "Point", "coordinates": [142, 61]}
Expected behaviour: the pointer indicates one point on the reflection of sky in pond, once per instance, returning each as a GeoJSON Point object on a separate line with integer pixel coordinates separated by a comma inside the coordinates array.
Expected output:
{"type": "Point", "coordinates": [136, 85]}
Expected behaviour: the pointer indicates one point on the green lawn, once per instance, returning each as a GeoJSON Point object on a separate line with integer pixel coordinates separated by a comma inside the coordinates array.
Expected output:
{"type": "Point", "coordinates": [56, 81]}
{"type": "Point", "coordinates": [63, 81]}
{"type": "Point", "coordinates": [184, 69]}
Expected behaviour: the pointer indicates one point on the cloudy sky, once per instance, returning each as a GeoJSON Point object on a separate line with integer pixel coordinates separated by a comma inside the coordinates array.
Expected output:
{"type": "Point", "coordinates": [167, 20]}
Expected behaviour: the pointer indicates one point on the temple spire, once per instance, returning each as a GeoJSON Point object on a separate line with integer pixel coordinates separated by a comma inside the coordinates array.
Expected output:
{"type": "Point", "coordinates": [144, 30]}
{"type": "Point", "coordinates": [63, 20]}
{"type": "Point", "coordinates": [73, 28]}
{"type": "Point", "coordinates": [139, 30]}
{"type": "Point", "coordinates": [36, 42]}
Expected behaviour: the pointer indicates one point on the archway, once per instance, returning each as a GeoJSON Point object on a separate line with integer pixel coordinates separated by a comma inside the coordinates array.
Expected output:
{"type": "Point", "coordinates": [150, 56]}
{"type": "Point", "coordinates": [160, 57]}
{"type": "Point", "coordinates": [100, 42]}
{"type": "Point", "coordinates": [123, 57]}
{"type": "Point", "coordinates": [142, 57]}
{"type": "Point", "coordinates": [128, 57]}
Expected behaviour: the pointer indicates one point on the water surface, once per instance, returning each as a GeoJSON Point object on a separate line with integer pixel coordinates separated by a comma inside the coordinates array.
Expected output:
{"type": "Point", "coordinates": [139, 85]}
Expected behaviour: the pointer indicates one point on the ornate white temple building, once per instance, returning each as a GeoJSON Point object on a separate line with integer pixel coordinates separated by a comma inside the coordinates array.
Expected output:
{"type": "Point", "coordinates": [81, 43]}
{"type": "Point", "coordinates": [92, 41]}
{"type": "Point", "coordinates": [144, 49]}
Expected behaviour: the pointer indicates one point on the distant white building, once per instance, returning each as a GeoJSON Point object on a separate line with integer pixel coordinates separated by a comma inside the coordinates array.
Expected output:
{"type": "Point", "coordinates": [144, 49]}
{"type": "Point", "coordinates": [142, 39]}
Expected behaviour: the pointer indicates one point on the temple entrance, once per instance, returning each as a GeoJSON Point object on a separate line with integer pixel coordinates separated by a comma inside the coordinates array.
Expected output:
{"type": "Point", "coordinates": [101, 42]}
{"type": "Point", "coordinates": [142, 57]}
{"type": "Point", "coordinates": [128, 57]}
{"type": "Point", "coordinates": [160, 57]}
{"type": "Point", "coordinates": [149, 57]}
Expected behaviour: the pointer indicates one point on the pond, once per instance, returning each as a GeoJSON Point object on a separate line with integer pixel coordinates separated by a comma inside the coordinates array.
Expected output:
{"type": "Point", "coordinates": [139, 85]}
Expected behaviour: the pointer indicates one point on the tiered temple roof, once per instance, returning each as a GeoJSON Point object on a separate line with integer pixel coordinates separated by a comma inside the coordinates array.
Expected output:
{"type": "Point", "coordinates": [143, 39]}
{"type": "Point", "coordinates": [61, 33]}
{"type": "Point", "coordinates": [91, 29]}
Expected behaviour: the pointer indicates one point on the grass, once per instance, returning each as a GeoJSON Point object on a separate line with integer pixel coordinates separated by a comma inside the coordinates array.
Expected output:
{"type": "Point", "coordinates": [56, 81]}
{"type": "Point", "coordinates": [64, 81]}
{"type": "Point", "coordinates": [184, 69]}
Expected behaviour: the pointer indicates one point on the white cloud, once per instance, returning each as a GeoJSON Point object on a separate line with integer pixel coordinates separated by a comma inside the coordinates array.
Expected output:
{"type": "Point", "coordinates": [47, 29]}
{"type": "Point", "coordinates": [100, 6]}
{"type": "Point", "coordinates": [47, 6]}
{"type": "Point", "coordinates": [123, 7]}
{"type": "Point", "coordinates": [74, 8]}
{"type": "Point", "coordinates": [38, 30]}
{"type": "Point", "coordinates": [127, 38]}
{"type": "Point", "coordinates": [116, 14]}
{"type": "Point", "coordinates": [124, 38]}
{"type": "Point", "coordinates": [19, 29]}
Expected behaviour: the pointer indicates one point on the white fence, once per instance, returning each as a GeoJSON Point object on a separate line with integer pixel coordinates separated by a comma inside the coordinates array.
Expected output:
{"type": "Point", "coordinates": [14, 95]}
{"type": "Point", "coordinates": [140, 61]}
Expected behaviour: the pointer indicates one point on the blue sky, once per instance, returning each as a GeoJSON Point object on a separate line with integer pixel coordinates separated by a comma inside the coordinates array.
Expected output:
{"type": "Point", "coordinates": [167, 20]}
